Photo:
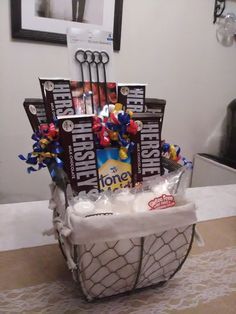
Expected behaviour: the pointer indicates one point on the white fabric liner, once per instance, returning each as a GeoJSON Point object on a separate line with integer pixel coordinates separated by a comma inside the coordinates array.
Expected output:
{"type": "Point", "coordinates": [125, 226]}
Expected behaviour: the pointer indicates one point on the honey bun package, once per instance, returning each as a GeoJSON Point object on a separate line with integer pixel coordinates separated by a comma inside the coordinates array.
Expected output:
{"type": "Point", "coordinates": [114, 173]}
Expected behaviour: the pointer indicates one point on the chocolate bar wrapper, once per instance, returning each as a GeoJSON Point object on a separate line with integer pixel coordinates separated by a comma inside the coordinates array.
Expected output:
{"type": "Point", "coordinates": [57, 98]}
{"type": "Point", "coordinates": [114, 173]}
{"type": "Point", "coordinates": [94, 102]}
{"type": "Point", "coordinates": [79, 154]}
{"type": "Point", "coordinates": [146, 157]}
{"type": "Point", "coordinates": [132, 97]}
{"type": "Point", "coordinates": [77, 91]}
{"type": "Point", "coordinates": [35, 110]}
{"type": "Point", "coordinates": [107, 96]}
{"type": "Point", "coordinates": [155, 105]}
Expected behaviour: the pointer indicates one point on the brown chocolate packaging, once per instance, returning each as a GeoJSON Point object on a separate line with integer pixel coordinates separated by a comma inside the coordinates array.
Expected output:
{"type": "Point", "coordinates": [155, 105]}
{"type": "Point", "coordinates": [35, 110]}
{"type": "Point", "coordinates": [79, 153]}
{"type": "Point", "coordinates": [132, 97]}
{"type": "Point", "coordinates": [57, 98]}
{"type": "Point", "coordinates": [146, 157]}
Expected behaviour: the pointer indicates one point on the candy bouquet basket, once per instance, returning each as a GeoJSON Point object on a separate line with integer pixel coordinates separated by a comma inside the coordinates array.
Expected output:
{"type": "Point", "coordinates": [109, 252]}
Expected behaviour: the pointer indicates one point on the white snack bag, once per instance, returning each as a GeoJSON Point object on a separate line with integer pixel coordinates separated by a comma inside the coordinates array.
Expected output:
{"type": "Point", "coordinates": [162, 192]}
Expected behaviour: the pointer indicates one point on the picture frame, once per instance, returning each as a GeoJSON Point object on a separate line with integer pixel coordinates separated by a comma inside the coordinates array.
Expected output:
{"type": "Point", "coordinates": [22, 13]}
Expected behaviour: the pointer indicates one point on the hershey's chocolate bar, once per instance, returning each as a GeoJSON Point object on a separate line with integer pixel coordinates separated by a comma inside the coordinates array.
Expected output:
{"type": "Point", "coordinates": [146, 157]}
{"type": "Point", "coordinates": [155, 105]}
{"type": "Point", "coordinates": [79, 153]}
{"type": "Point", "coordinates": [57, 98]}
{"type": "Point", "coordinates": [132, 97]}
{"type": "Point", "coordinates": [35, 110]}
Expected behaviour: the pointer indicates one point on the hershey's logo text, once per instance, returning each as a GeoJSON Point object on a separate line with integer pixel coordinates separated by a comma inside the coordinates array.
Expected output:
{"type": "Point", "coordinates": [150, 152]}
{"type": "Point", "coordinates": [135, 99]}
{"type": "Point", "coordinates": [62, 99]}
{"type": "Point", "coordinates": [41, 115]}
{"type": "Point", "coordinates": [83, 158]}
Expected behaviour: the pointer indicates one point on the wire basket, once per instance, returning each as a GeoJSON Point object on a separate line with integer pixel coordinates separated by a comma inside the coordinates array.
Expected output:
{"type": "Point", "coordinates": [111, 268]}
{"type": "Point", "coordinates": [122, 266]}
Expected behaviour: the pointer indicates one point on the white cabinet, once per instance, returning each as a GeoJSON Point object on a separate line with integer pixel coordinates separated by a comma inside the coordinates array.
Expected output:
{"type": "Point", "coordinates": [208, 172]}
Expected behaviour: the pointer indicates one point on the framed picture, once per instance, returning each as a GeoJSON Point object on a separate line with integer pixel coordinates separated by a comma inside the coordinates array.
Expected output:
{"type": "Point", "coordinates": [48, 20]}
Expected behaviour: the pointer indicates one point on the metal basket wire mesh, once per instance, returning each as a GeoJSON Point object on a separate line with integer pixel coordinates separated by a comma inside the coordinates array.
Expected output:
{"type": "Point", "coordinates": [116, 267]}
{"type": "Point", "coordinates": [111, 268]}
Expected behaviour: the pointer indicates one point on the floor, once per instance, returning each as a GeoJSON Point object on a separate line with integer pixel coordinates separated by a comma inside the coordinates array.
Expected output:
{"type": "Point", "coordinates": [36, 280]}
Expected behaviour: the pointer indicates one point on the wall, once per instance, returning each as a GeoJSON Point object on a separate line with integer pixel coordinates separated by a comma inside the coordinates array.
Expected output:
{"type": "Point", "coordinates": [169, 44]}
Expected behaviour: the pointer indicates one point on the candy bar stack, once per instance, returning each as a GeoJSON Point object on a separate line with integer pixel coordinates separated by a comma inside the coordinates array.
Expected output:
{"type": "Point", "coordinates": [116, 146]}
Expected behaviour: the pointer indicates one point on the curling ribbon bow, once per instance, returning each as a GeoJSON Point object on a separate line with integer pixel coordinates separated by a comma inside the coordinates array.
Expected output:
{"type": "Point", "coordinates": [45, 148]}
{"type": "Point", "coordinates": [172, 152]}
{"type": "Point", "coordinates": [116, 130]}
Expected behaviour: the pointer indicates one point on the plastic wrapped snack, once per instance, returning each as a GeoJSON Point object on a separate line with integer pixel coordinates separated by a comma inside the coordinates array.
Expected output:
{"type": "Point", "coordinates": [157, 193]}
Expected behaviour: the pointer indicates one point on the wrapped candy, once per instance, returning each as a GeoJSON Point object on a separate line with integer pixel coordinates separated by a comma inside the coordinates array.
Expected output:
{"type": "Point", "coordinates": [123, 201]}
{"type": "Point", "coordinates": [83, 207]}
{"type": "Point", "coordinates": [158, 193]}
{"type": "Point", "coordinates": [161, 192]}
{"type": "Point", "coordinates": [100, 129]}
{"type": "Point", "coordinates": [117, 128]}
{"type": "Point", "coordinates": [132, 128]}
{"type": "Point", "coordinates": [104, 203]}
